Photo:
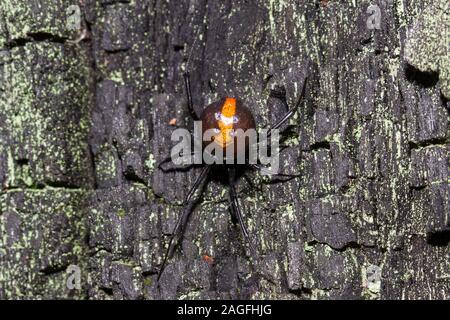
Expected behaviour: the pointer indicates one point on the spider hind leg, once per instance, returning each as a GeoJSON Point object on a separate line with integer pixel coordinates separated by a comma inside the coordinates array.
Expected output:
{"type": "Point", "coordinates": [180, 226]}
{"type": "Point", "coordinates": [235, 209]}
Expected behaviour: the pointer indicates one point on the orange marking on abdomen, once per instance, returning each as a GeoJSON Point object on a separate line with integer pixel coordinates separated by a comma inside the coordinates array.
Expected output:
{"type": "Point", "coordinates": [226, 122]}
{"type": "Point", "coordinates": [229, 107]}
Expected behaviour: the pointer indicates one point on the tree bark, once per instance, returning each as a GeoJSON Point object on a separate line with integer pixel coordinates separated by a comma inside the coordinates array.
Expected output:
{"type": "Point", "coordinates": [84, 119]}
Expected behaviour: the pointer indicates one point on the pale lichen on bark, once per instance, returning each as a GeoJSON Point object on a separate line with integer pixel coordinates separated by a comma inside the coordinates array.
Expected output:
{"type": "Point", "coordinates": [428, 45]}
{"type": "Point", "coordinates": [83, 124]}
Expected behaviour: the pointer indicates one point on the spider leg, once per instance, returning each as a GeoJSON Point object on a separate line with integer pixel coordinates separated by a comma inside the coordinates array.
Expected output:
{"type": "Point", "coordinates": [178, 230]}
{"type": "Point", "coordinates": [236, 210]}
{"type": "Point", "coordinates": [234, 218]}
{"type": "Point", "coordinates": [234, 205]}
{"type": "Point", "coordinates": [175, 167]}
{"type": "Point", "coordinates": [286, 117]}
{"type": "Point", "coordinates": [187, 83]}
{"type": "Point", "coordinates": [291, 112]}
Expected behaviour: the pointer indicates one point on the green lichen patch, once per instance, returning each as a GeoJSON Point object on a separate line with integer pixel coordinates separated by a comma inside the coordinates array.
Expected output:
{"type": "Point", "coordinates": [22, 18]}
{"type": "Point", "coordinates": [41, 234]}
{"type": "Point", "coordinates": [428, 45]}
{"type": "Point", "coordinates": [45, 105]}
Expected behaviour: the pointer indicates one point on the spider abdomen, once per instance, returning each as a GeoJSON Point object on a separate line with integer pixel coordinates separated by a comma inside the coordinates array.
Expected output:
{"type": "Point", "coordinates": [224, 118]}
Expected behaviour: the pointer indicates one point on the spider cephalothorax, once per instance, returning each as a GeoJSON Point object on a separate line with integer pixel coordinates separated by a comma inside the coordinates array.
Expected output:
{"type": "Point", "coordinates": [223, 120]}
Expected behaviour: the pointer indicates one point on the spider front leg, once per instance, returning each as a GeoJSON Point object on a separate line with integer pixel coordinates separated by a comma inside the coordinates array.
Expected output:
{"type": "Point", "coordinates": [180, 226]}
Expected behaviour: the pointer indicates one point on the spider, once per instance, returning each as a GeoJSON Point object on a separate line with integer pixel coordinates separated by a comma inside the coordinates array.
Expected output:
{"type": "Point", "coordinates": [213, 117]}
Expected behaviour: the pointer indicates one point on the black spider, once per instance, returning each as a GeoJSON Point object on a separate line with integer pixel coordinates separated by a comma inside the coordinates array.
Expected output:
{"type": "Point", "coordinates": [211, 116]}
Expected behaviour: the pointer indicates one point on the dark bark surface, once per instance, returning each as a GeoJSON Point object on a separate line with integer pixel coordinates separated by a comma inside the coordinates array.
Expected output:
{"type": "Point", "coordinates": [84, 119]}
